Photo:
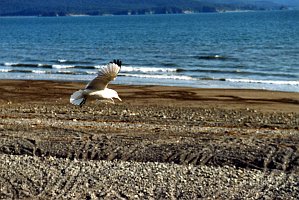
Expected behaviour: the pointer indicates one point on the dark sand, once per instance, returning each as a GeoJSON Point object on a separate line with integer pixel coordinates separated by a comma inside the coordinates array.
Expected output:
{"type": "Point", "coordinates": [159, 143]}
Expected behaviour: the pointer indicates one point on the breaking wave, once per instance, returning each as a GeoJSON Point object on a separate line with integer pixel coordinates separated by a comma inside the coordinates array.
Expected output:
{"type": "Point", "coordinates": [147, 69]}
{"type": "Point", "coordinates": [159, 76]}
{"type": "Point", "coordinates": [65, 66]}
{"type": "Point", "coordinates": [195, 74]}
{"type": "Point", "coordinates": [276, 82]}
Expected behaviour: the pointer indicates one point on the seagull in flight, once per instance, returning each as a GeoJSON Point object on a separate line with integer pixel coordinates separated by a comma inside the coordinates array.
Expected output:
{"type": "Point", "coordinates": [97, 88]}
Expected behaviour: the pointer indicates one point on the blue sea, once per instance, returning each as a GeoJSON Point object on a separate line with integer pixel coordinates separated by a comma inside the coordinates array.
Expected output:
{"type": "Point", "coordinates": [257, 50]}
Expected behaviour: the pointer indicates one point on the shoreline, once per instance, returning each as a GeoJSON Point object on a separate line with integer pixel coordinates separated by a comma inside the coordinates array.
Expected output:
{"type": "Point", "coordinates": [229, 83]}
{"type": "Point", "coordinates": [264, 100]}
{"type": "Point", "coordinates": [159, 142]}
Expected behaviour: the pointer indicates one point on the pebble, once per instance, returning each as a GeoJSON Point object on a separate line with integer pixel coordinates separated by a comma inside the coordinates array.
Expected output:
{"type": "Point", "coordinates": [83, 179]}
{"type": "Point", "coordinates": [139, 180]}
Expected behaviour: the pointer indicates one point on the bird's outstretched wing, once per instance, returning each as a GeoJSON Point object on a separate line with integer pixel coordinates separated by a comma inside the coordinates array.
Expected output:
{"type": "Point", "coordinates": [105, 75]}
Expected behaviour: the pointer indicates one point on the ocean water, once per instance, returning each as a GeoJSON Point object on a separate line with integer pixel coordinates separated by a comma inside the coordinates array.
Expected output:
{"type": "Point", "coordinates": [257, 50]}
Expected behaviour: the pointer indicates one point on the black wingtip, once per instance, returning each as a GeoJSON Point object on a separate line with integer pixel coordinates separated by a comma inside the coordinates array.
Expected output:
{"type": "Point", "coordinates": [118, 62]}
{"type": "Point", "coordinates": [82, 102]}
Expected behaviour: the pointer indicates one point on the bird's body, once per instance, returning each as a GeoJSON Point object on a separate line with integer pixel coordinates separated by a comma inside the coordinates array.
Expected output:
{"type": "Point", "coordinates": [102, 94]}
{"type": "Point", "coordinates": [97, 88]}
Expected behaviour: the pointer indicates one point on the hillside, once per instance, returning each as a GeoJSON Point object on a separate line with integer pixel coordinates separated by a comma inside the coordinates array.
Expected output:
{"type": "Point", "coordinates": [121, 7]}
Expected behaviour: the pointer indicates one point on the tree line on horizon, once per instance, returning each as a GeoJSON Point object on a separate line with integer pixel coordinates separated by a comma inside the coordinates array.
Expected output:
{"type": "Point", "coordinates": [121, 7]}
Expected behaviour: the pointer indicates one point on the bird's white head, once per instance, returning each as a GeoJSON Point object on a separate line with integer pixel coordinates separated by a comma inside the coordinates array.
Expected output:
{"type": "Point", "coordinates": [117, 97]}
{"type": "Point", "coordinates": [112, 94]}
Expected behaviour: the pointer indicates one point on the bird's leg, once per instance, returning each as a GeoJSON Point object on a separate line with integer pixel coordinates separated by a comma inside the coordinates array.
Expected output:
{"type": "Point", "coordinates": [112, 101]}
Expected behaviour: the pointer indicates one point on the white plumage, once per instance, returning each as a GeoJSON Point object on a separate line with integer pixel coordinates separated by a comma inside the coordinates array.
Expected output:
{"type": "Point", "coordinates": [97, 88]}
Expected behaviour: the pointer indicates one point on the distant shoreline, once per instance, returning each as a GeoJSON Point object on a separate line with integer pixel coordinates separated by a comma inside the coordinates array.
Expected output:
{"type": "Point", "coordinates": [146, 14]}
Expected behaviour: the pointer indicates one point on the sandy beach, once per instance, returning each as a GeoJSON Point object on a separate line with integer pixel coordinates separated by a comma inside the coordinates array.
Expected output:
{"type": "Point", "coordinates": [158, 143]}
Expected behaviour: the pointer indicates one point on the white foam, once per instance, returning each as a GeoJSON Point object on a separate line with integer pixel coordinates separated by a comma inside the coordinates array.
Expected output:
{"type": "Point", "coordinates": [90, 72]}
{"type": "Point", "coordinates": [5, 70]}
{"type": "Point", "coordinates": [295, 83]}
{"type": "Point", "coordinates": [42, 65]}
{"type": "Point", "coordinates": [10, 64]}
{"type": "Point", "coordinates": [99, 66]}
{"type": "Point", "coordinates": [39, 71]}
{"type": "Point", "coordinates": [62, 60]}
{"type": "Point", "coordinates": [146, 69]}
{"type": "Point", "coordinates": [141, 69]}
{"type": "Point", "coordinates": [65, 72]}
{"type": "Point", "coordinates": [160, 76]}
{"type": "Point", "coordinates": [62, 66]}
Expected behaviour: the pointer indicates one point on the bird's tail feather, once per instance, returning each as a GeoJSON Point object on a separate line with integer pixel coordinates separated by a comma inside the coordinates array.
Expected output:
{"type": "Point", "coordinates": [77, 98]}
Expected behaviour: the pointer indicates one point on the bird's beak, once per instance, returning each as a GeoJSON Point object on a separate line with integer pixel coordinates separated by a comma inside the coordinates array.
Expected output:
{"type": "Point", "coordinates": [119, 98]}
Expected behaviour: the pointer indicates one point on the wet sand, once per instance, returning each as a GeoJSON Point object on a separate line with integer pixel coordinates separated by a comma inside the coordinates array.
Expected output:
{"type": "Point", "coordinates": [159, 142]}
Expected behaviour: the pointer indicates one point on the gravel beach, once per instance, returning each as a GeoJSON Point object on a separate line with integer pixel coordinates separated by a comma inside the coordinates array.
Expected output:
{"type": "Point", "coordinates": [159, 143]}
